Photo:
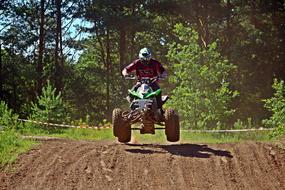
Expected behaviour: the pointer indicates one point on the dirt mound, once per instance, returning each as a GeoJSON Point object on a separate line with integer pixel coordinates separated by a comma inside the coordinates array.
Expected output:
{"type": "Point", "coordinates": [98, 165]}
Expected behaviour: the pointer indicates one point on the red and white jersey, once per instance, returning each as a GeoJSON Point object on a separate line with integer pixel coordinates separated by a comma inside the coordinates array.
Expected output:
{"type": "Point", "coordinates": [151, 69]}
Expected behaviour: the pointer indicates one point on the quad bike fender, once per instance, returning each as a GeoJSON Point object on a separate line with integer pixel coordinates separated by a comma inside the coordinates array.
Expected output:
{"type": "Point", "coordinates": [164, 99]}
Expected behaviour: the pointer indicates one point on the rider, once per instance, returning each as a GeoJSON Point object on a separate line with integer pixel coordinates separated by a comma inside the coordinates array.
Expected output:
{"type": "Point", "coordinates": [146, 66]}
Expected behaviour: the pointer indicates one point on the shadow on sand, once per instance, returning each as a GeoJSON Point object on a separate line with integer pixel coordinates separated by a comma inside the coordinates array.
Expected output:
{"type": "Point", "coordinates": [186, 150]}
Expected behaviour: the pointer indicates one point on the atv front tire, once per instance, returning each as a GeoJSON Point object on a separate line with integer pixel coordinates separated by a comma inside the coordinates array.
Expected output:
{"type": "Point", "coordinates": [172, 128]}
{"type": "Point", "coordinates": [116, 120]}
{"type": "Point", "coordinates": [121, 128]}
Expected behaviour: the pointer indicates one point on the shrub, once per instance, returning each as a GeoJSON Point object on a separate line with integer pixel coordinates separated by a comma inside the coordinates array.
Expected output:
{"type": "Point", "coordinates": [49, 106]}
{"type": "Point", "coordinates": [278, 131]}
{"type": "Point", "coordinates": [239, 124]}
{"type": "Point", "coordinates": [7, 118]}
{"type": "Point", "coordinates": [276, 105]}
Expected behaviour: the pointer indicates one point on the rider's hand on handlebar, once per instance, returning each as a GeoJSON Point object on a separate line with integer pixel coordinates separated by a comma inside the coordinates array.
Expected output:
{"type": "Point", "coordinates": [125, 73]}
{"type": "Point", "coordinates": [128, 75]}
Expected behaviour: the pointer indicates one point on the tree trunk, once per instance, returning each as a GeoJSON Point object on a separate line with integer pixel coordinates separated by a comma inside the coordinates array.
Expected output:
{"type": "Point", "coordinates": [279, 23]}
{"type": "Point", "coordinates": [1, 75]}
{"type": "Point", "coordinates": [132, 46]}
{"type": "Point", "coordinates": [105, 56]}
{"type": "Point", "coordinates": [228, 36]}
{"type": "Point", "coordinates": [102, 51]}
{"type": "Point", "coordinates": [112, 74]}
{"type": "Point", "coordinates": [108, 71]}
{"type": "Point", "coordinates": [202, 24]}
{"type": "Point", "coordinates": [122, 51]}
{"type": "Point", "coordinates": [61, 58]}
{"type": "Point", "coordinates": [41, 49]}
{"type": "Point", "coordinates": [58, 50]}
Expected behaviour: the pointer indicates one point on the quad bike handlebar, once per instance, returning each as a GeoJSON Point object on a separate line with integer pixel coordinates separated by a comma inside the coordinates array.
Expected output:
{"type": "Point", "coordinates": [144, 79]}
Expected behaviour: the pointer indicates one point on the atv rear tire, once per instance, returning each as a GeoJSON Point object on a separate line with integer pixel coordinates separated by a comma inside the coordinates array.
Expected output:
{"type": "Point", "coordinates": [121, 128]}
{"type": "Point", "coordinates": [172, 128]}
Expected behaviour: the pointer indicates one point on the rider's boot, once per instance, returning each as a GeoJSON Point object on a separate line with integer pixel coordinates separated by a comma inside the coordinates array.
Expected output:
{"type": "Point", "coordinates": [160, 111]}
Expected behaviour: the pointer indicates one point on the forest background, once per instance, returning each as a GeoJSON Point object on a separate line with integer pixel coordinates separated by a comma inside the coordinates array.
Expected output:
{"type": "Point", "coordinates": [61, 60]}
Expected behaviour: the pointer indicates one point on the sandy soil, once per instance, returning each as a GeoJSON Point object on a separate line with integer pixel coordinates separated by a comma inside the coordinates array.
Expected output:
{"type": "Point", "coordinates": [64, 164]}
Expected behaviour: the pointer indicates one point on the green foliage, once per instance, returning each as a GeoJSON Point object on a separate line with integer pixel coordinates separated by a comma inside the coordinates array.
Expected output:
{"type": "Point", "coordinates": [202, 93]}
{"type": "Point", "coordinates": [257, 51]}
{"type": "Point", "coordinates": [278, 132]}
{"type": "Point", "coordinates": [49, 106]}
{"type": "Point", "coordinates": [87, 134]}
{"type": "Point", "coordinates": [11, 145]}
{"type": "Point", "coordinates": [239, 124]}
{"type": "Point", "coordinates": [7, 118]}
{"type": "Point", "coordinates": [276, 105]}
{"type": "Point", "coordinates": [87, 86]}
{"type": "Point", "coordinates": [253, 42]}
{"type": "Point", "coordinates": [16, 78]}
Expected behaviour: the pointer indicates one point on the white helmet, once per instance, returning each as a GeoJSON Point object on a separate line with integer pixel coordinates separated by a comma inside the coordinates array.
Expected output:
{"type": "Point", "coordinates": [145, 54]}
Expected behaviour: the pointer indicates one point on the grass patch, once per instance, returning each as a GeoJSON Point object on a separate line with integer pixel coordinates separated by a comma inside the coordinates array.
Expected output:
{"type": "Point", "coordinates": [225, 137]}
{"type": "Point", "coordinates": [11, 145]}
{"type": "Point", "coordinates": [69, 133]}
{"type": "Point", "coordinates": [159, 137]}
{"type": "Point", "coordinates": [87, 134]}
{"type": "Point", "coordinates": [189, 137]}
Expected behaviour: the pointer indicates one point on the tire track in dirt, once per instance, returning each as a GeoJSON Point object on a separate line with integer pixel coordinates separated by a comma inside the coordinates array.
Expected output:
{"type": "Point", "coordinates": [273, 157]}
{"type": "Point", "coordinates": [149, 168]}
{"type": "Point", "coordinates": [68, 164]}
{"type": "Point", "coordinates": [238, 168]}
{"type": "Point", "coordinates": [219, 180]}
{"type": "Point", "coordinates": [263, 167]}
{"type": "Point", "coordinates": [232, 174]}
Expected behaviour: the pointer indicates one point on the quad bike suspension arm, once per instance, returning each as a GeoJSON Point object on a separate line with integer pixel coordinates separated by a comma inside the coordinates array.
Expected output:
{"type": "Point", "coordinates": [132, 116]}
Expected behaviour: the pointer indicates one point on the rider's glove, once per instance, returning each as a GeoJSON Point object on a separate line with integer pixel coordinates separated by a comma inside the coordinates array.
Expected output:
{"type": "Point", "coordinates": [124, 72]}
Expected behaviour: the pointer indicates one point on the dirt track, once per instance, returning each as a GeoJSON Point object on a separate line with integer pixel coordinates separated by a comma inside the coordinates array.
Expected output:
{"type": "Point", "coordinates": [97, 165]}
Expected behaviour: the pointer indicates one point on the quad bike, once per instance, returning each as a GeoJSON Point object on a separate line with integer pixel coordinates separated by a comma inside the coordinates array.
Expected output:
{"type": "Point", "coordinates": [143, 110]}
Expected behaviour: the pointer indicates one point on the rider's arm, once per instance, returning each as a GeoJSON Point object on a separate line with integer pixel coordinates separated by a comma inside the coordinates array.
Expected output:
{"type": "Point", "coordinates": [162, 72]}
{"type": "Point", "coordinates": [131, 67]}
